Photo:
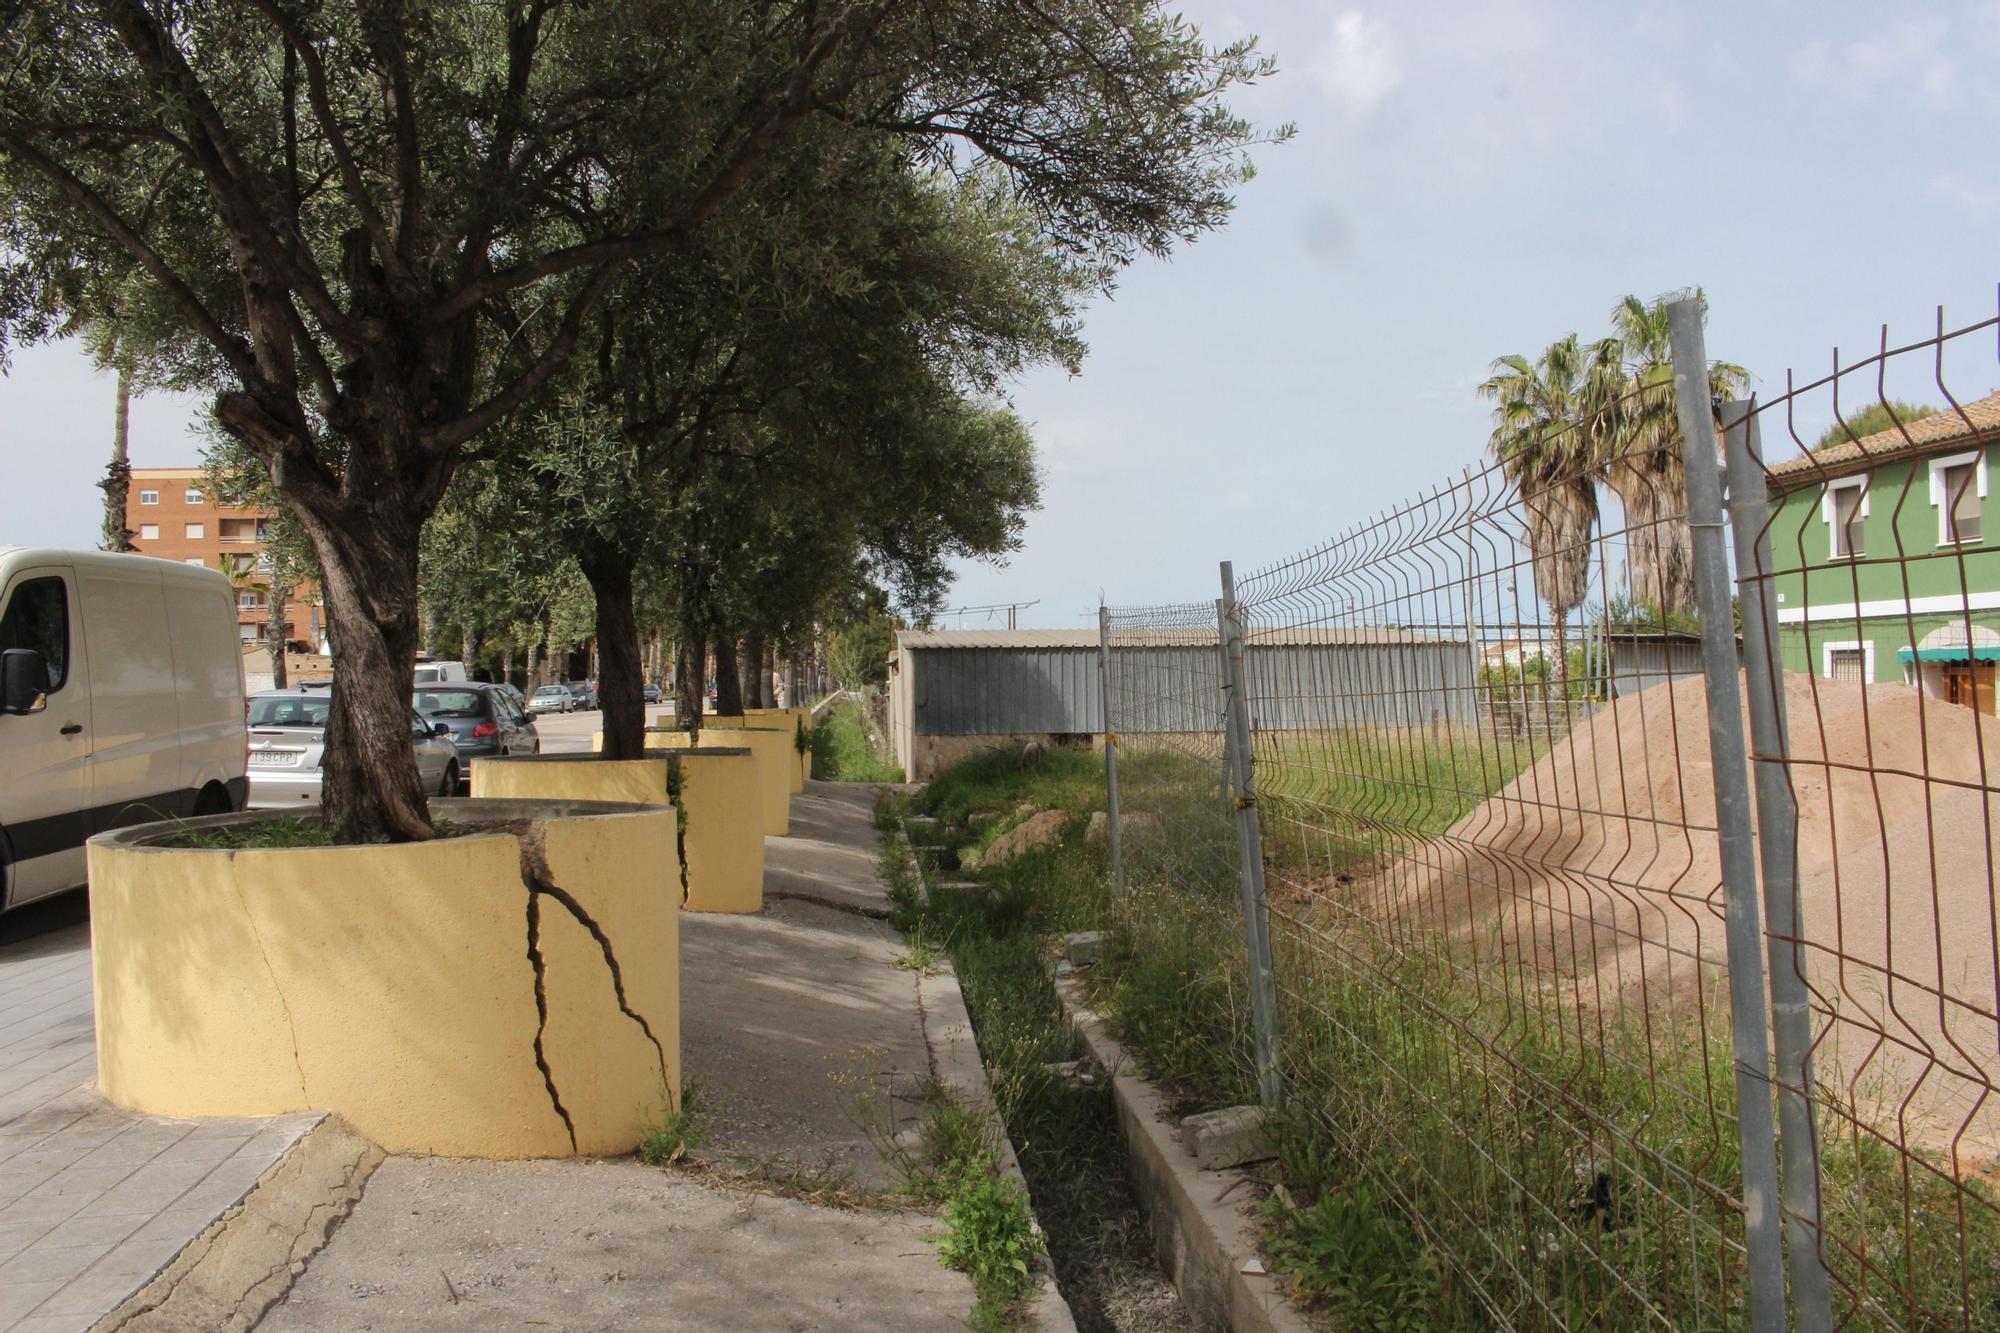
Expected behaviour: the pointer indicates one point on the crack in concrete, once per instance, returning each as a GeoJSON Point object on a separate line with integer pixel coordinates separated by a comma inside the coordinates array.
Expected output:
{"type": "Point", "coordinates": [540, 883]}
{"type": "Point", "coordinates": [536, 962]}
{"type": "Point", "coordinates": [291, 1024]}
{"type": "Point", "coordinates": [831, 904]}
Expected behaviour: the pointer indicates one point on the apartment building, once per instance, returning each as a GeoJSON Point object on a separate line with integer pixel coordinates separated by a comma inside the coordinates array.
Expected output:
{"type": "Point", "coordinates": [172, 516]}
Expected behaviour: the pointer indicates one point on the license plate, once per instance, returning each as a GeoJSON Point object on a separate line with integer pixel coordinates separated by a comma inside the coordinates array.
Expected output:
{"type": "Point", "coordinates": [274, 758]}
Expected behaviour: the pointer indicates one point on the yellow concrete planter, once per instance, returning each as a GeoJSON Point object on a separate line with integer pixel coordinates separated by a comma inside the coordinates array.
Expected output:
{"type": "Point", "coordinates": [778, 719]}
{"type": "Point", "coordinates": [717, 790]}
{"type": "Point", "coordinates": [777, 761]}
{"type": "Point", "coordinates": [510, 992]}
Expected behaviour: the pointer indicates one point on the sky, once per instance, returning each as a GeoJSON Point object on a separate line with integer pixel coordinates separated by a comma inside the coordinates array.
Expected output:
{"type": "Point", "coordinates": [1467, 180]}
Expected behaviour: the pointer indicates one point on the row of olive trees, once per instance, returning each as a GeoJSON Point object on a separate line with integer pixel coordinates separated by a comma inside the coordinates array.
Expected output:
{"type": "Point", "coordinates": [395, 241]}
{"type": "Point", "coordinates": [1583, 415]}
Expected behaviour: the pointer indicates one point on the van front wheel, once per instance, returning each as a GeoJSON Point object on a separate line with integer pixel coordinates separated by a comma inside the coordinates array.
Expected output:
{"type": "Point", "coordinates": [212, 800]}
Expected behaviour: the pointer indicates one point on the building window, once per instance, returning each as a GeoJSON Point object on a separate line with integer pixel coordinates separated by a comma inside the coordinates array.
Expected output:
{"type": "Point", "coordinates": [247, 601]}
{"type": "Point", "coordinates": [149, 497]}
{"type": "Point", "coordinates": [1845, 509]}
{"type": "Point", "coordinates": [1958, 490]}
{"type": "Point", "coordinates": [196, 561]}
{"type": "Point", "coordinates": [149, 532]}
{"type": "Point", "coordinates": [1852, 661]}
{"type": "Point", "coordinates": [194, 496]}
{"type": "Point", "coordinates": [196, 531]}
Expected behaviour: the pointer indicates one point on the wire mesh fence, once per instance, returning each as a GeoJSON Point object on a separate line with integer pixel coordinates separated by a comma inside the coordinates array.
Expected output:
{"type": "Point", "coordinates": [1497, 804]}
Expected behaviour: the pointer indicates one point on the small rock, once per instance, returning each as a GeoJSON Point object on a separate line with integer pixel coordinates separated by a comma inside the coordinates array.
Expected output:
{"type": "Point", "coordinates": [1252, 1268]}
{"type": "Point", "coordinates": [1064, 967]}
{"type": "Point", "coordinates": [1082, 948]}
{"type": "Point", "coordinates": [1229, 1137]}
{"type": "Point", "coordinates": [1075, 1073]}
{"type": "Point", "coordinates": [910, 1141]}
{"type": "Point", "coordinates": [1099, 831]}
{"type": "Point", "coordinates": [1037, 830]}
{"type": "Point", "coordinates": [1024, 809]}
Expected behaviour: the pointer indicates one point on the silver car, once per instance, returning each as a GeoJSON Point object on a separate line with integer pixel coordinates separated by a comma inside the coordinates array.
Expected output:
{"type": "Point", "coordinates": [552, 699]}
{"type": "Point", "coordinates": [288, 738]}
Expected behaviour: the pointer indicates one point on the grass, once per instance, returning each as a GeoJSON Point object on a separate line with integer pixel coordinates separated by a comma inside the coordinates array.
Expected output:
{"type": "Point", "coordinates": [680, 1132]}
{"type": "Point", "coordinates": [1069, 1147]}
{"type": "Point", "coordinates": [277, 832]}
{"type": "Point", "coordinates": [842, 750]}
{"type": "Point", "coordinates": [1465, 1145]}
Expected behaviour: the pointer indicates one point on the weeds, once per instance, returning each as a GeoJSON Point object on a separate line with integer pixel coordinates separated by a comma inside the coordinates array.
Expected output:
{"type": "Point", "coordinates": [923, 956]}
{"type": "Point", "coordinates": [680, 1132]}
{"type": "Point", "coordinates": [275, 832]}
{"type": "Point", "coordinates": [842, 750]}
{"type": "Point", "coordinates": [990, 1237]}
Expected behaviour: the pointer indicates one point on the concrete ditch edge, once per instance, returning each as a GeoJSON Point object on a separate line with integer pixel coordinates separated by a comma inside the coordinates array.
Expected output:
{"type": "Point", "coordinates": [247, 1259]}
{"type": "Point", "coordinates": [1200, 1235]}
{"type": "Point", "coordinates": [957, 1065]}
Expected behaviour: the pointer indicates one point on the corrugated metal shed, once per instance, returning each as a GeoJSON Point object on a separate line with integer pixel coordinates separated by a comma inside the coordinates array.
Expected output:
{"type": "Point", "coordinates": [1045, 682]}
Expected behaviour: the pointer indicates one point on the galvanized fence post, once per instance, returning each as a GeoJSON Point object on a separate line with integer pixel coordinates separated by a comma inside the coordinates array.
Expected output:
{"type": "Point", "coordinates": [1249, 842]}
{"type": "Point", "coordinates": [1113, 840]}
{"type": "Point", "coordinates": [1777, 847]}
{"type": "Point", "coordinates": [1762, 1239]}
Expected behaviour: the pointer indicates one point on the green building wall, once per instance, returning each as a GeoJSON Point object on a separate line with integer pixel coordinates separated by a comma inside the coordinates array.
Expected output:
{"type": "Point", "coordinates": [1903, 586]}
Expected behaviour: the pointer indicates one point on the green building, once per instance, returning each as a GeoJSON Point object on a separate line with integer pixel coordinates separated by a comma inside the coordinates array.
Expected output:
{"type": "Point", "coordinates": [1887, 569]}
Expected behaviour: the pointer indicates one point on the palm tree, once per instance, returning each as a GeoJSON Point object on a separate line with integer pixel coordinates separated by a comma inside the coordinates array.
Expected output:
{"type": "Point", "coordinates": [1542, 439]}
{"type": "Point", "coordinates": [1639, 449]}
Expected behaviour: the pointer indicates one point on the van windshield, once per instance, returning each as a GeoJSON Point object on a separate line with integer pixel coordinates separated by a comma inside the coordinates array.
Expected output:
{"type": "Point", "coordinates": [450, 703]}
{"type": "Point", "coordinates": [290, 710]}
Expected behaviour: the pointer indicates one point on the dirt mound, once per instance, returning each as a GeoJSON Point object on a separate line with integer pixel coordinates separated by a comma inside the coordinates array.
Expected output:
{"type": "Point", "coordinates": [1600, 865]}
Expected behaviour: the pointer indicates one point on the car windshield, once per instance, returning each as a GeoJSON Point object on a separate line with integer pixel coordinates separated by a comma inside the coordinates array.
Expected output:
{"type": "Point", "coordinates": [551, 692]}
{"type": "Point", "coordinates": [450, 703]}
{"type": "Point", "coordinates": [290, 710]}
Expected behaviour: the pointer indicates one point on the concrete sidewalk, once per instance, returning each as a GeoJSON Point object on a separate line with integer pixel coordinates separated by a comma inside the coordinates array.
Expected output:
{"type": "Point", "coordinates": [772, 1007]}
{"type": "Point", "coordinates": [94, 1200]}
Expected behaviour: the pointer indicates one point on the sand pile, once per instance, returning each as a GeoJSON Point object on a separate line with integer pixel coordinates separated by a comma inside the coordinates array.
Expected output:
{"type": "Point", "coordinates": [1600, 865]}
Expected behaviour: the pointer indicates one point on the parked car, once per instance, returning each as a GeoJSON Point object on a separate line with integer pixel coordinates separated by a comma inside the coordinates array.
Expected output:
{"type": "Point", "coordinates": [514, 693]}
{"type": "Point", "coordinates": [653, 694]}
{"type": "Point", "coordinates": [121, 702]}
{"type": "Point", "coordinates": [552, 699]}
{"type": "Point", "coordinates": [288, 740]}
{"type": "Point", "coordinates": [484, 720]}
{"type": "Point", "coordinates": [585, 694]}
{"type": "Point", "coordinates": [432, 673]}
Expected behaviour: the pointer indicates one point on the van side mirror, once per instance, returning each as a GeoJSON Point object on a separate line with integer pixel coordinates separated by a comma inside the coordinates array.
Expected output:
{"type": "Point", "coordinates": [24, 680]}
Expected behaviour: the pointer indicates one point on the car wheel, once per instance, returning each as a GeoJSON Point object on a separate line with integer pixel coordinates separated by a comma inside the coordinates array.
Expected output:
{"type": "Point", "coordinates": [449, 787]}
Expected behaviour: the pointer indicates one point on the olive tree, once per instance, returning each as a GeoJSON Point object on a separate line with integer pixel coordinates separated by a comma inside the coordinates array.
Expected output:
{"type": "Point", "coordinates": [382, 228]}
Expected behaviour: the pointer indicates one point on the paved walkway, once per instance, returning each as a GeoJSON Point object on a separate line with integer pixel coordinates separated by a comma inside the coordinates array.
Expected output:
{"type": "Point", "coordinates": [93, 1200]}
{"type": "Point", "coordinates": [772, 1005]}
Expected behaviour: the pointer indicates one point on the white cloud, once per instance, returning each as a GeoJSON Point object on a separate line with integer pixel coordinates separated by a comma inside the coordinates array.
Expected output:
{"type": "Point", "coordinates": [1359, 67]}
{"type": "Point", "coordinates": [1977, 199]}
{"type": "Point", "coordinates": [1911, 55]}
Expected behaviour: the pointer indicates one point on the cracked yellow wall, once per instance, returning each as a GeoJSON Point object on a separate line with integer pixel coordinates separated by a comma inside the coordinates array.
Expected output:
{"type": "Point", "coordinates": [801, 761]}
{"type": "Point", "coordinates": [795, 719]}
{"type": "Point", "coordinates": [394, 986]}
{"type": "Point", "coordinates": [777, 761]}
{"type": "Point", "coordinates": [722, 794]}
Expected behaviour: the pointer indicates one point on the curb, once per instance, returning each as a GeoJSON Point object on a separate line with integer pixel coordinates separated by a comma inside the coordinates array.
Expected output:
{"type": "Point", "coordinates": [1200, 1235]}
{"type": "Point", "coordinates": [957, 1065]}
{"type": "Point", "coordinates": [246, 1261]}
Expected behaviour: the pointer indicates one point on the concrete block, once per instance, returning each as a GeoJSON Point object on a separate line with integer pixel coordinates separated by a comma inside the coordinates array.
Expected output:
{"type": "Point", "coordinates": [1083, 947]}
{"type": "Point", "coordinates": [1229, 1137]}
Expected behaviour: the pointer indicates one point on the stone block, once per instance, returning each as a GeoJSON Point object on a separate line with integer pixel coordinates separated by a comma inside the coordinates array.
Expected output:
{"type": "Point", "coordinates": [1082, 948]}
{"type": "Point", "coordinates": [1229, 1137]}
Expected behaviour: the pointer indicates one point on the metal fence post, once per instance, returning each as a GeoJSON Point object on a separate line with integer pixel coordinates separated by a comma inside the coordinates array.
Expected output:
{"type": "Point", "coordinates": [1762, 1240]}
{"type": "Point", "coordinates": [1777, 847]}
{"type": "Point", "coordinates": [1113, 841]}
{"type": "Point", "coordinates": [1249, 843]}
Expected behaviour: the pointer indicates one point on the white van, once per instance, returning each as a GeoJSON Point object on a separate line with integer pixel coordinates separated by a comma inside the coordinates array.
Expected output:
{"type": "Point", "coordinates": [438, 673]}
{"type": "Point", "coordinates": [121, 701]}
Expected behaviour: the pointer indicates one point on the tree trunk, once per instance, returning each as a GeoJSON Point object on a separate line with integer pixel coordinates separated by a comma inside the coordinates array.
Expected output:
{"type": "Point", "coordinates": [728, 684]}
{"type": "Point", "coordinates": [534, 667]}
{"type": "Point", "coordinates": [117, 483]}
{"type": "Point", "coordinates": [620, 674]}
{"type": "Point", "coordinates": [468, 647]}
{"type": "Point", "coordinates": [752, 680]}
{"type": "Point", "coordinates": [368, 562]}
{"type": "Point", "coordinates": [274, 633]}
{"type": "Point", "coordinates": [507, 660]}
{"type": "Point", "coordinates": [431, 633]}
{"type": "Point", "coordinates": [688, 675]}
